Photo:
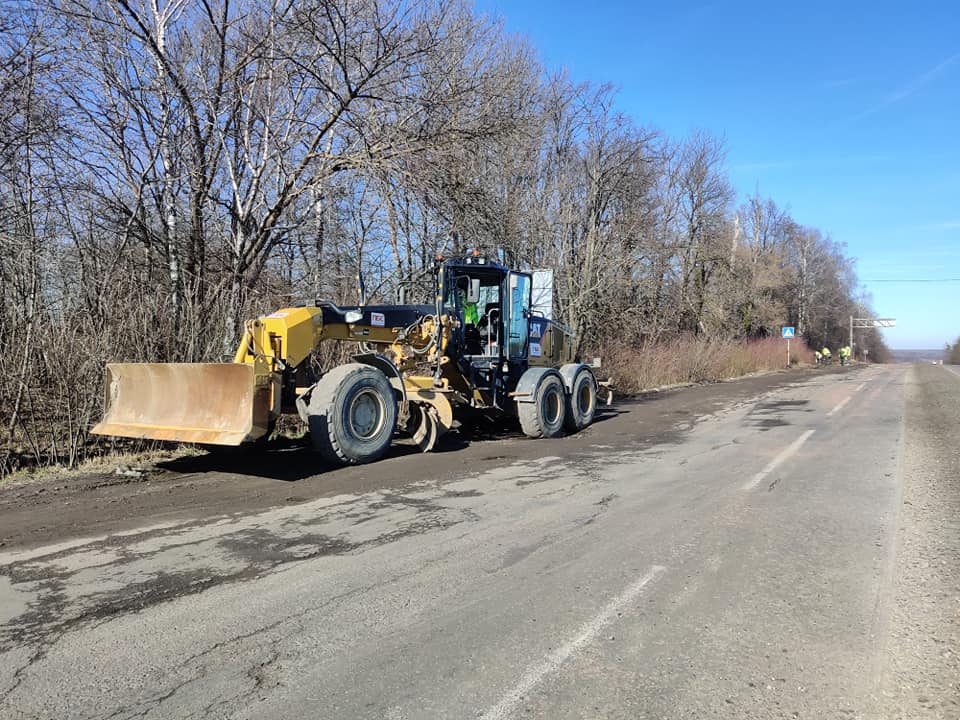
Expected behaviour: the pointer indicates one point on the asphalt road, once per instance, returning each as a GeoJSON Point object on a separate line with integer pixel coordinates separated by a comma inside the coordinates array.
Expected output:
{"type": "Point", "coordinates": [778, 547]}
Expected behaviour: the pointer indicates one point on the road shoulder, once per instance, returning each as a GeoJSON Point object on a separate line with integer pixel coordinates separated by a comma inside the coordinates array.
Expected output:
{"type": "Point", "coordinates": [921, 673]}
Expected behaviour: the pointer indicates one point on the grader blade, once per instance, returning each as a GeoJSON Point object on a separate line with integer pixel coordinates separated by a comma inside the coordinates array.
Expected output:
{"type": "Point", "coordinates": [207, 403]}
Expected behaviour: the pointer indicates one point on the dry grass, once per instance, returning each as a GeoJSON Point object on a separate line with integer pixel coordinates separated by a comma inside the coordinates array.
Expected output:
{"type": "Point", "coordinates": [692, 359]}
{"type": "Point", "coordinates": [98, 465]}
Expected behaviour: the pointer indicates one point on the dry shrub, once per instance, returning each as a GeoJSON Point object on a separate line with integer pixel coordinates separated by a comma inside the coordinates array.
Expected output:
{"type": "Point", "coordinates": [689, 359]}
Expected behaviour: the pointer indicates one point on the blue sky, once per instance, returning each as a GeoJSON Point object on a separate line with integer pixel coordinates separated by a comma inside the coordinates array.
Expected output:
{"type": "Point", "coordinates": [846, 113]}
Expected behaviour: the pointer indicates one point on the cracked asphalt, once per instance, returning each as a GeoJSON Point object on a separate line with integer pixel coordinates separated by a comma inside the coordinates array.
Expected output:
{"type": "Point", "coordinates": [783, 546]}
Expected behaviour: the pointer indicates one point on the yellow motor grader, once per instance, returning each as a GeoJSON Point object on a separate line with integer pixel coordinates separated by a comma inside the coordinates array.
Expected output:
{"type": "Point", "coordinates": [479, 348]}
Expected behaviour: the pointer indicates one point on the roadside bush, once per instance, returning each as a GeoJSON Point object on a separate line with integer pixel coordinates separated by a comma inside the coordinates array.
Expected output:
{"type": "Point", "coordinates": [691, 359]}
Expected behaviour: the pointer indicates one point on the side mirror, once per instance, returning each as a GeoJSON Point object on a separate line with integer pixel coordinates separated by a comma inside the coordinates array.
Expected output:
{"type": "Point", "coordinates": [473, 294]}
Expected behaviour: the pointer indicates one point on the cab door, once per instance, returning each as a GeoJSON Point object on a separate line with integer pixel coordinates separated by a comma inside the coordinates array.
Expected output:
{"type": "Point", "coordinates": [519, 286]}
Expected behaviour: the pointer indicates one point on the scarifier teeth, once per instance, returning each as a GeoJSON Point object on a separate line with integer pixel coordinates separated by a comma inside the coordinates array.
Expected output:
{"type": "Point", "coordinates": [425, 435]}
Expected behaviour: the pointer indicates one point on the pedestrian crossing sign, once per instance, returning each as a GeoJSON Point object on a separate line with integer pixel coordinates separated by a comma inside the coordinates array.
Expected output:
{"type": "Point", "coordinates": [787, 332]}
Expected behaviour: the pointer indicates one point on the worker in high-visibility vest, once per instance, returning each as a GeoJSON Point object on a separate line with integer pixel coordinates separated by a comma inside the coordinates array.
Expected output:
{"type": "Point", "coordinates": [818, 356]}
{"type": "Point", "coordinates": [826, 355]}
{"type": "Point", "coordinates": [844, 354]}
{"type": "Point", "coordinates": [471, 316]}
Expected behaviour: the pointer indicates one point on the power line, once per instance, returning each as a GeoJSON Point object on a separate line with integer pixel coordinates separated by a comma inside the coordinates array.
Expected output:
{"type": "Point", "coordinates": [914, 280]}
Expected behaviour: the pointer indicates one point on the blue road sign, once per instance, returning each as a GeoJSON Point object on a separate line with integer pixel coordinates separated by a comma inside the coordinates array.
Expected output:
{"type": "Point", "coordinates": [787, 332]}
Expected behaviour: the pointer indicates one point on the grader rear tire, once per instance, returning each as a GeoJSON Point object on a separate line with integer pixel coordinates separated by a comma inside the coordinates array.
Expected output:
{"type": "Point", "coordinates": [581, 402]}
{"type": "Point", "coordinates": [544, 416]}
{"type": "Point", "coordinates": [352, 414]}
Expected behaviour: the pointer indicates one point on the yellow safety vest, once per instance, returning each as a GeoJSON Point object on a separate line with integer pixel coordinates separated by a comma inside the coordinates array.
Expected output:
{"type": "Point", "coordinates": [470, 313]}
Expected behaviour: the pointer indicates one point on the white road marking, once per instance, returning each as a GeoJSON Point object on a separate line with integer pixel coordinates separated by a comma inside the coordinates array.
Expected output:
{"type": "Point", "coordinates": [838, 407]}
{"type": "Point", "coordinates": [587, 633]}
{"type": "Point", "coordinates": [860, 387]}
{"type": "Point", "coordinates": [785, 454]}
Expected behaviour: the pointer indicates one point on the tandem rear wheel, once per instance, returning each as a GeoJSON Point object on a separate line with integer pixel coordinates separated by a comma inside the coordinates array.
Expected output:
{"type": "Point", "coordinates": [543, 415]}
{"type": "Point", "coordinates": [581, 396]}
{"type": "Point", "coordinates": [551, 401]}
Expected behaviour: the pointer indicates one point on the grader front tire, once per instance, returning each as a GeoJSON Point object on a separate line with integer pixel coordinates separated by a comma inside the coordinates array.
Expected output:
{"type": "Point", "coordinates": [352, 414]}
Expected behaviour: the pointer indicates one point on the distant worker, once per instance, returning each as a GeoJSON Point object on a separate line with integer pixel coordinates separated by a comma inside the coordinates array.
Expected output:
{"type": "Point", "coordinates": [844, 354]}
{"type": "Point", "coordinates": [817, 356]}
{"type": "Point", "coordinates": [826, 355]}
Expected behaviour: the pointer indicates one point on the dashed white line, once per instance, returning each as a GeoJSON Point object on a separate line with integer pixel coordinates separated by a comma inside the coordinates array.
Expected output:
{"type": "Point", "coordinates": [838, 407]}
{"type": "Point", "coordinates": [587, 633]}
{"type": "Point", "coordinates": [860, 387]}
{"type": "Point", "coordinates": [785, 454]}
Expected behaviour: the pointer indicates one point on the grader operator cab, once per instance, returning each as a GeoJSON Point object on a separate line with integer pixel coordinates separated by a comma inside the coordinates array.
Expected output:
{"type": "Point", "coordinates": [479, 348]}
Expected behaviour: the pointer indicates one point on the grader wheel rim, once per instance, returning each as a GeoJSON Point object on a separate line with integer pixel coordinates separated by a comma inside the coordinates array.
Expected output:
{"type": "Point", "coordinates": [552, 406]}
{"type": "Point", "coordinates": [584, 398]}
{"type": "Point", "coordinates": [366, 414]}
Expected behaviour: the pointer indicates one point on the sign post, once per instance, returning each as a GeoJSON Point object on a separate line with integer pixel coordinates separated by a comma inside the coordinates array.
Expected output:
{"type": "Point", "coordinates": [787, 333]}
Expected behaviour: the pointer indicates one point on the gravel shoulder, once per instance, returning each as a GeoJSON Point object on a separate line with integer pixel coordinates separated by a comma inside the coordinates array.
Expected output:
{"type": "Point", "coordinates": [922, 661]}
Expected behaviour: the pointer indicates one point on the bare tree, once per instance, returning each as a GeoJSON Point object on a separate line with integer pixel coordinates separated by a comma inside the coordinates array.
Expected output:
{"type": "Point", "coordinates": [705, 195]}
